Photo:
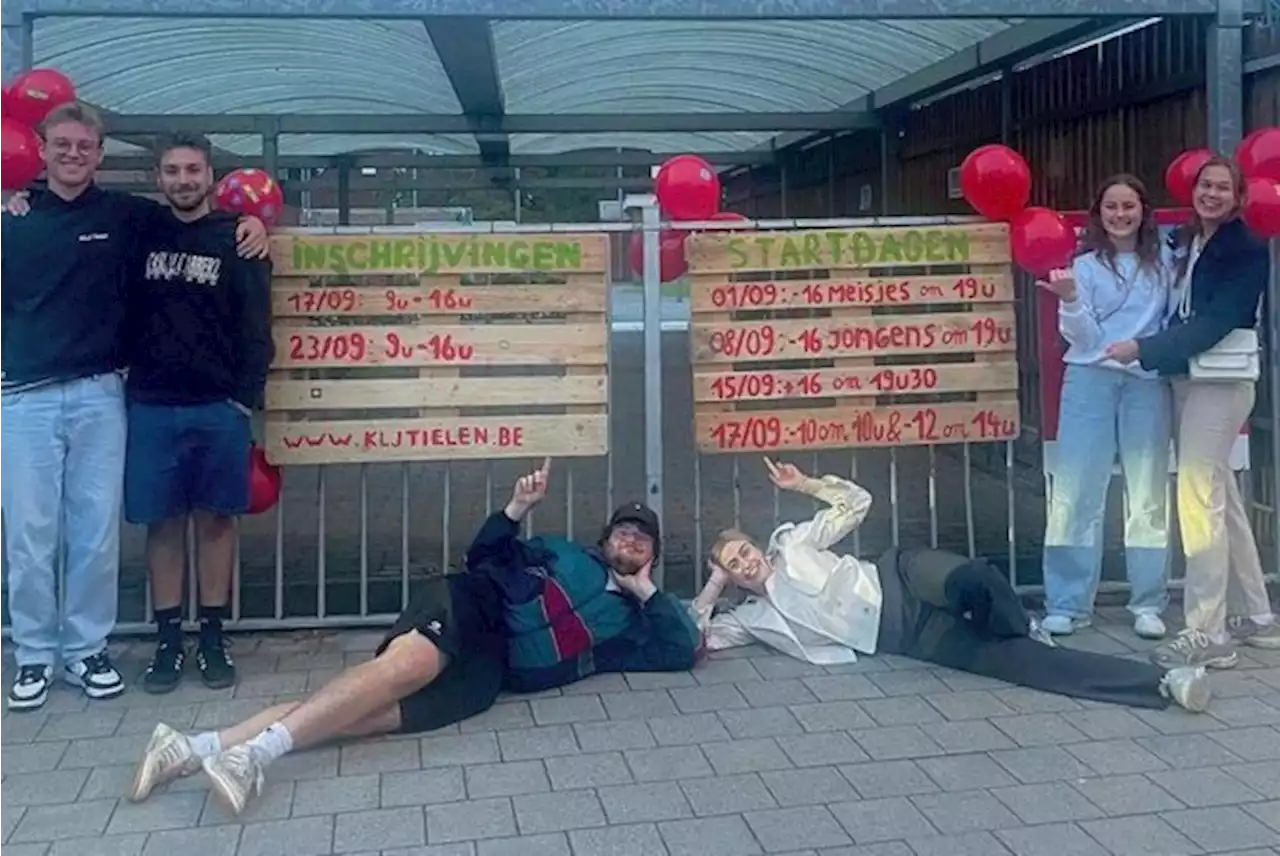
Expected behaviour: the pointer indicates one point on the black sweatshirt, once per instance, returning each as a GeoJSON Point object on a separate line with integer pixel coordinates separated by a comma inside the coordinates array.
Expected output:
{"type": "Point", "coordinates": [1226, 284]}
{"type": "Point", "coordinates": [65, 274]}
{"type": "Point", "coordinates": [199, 316]}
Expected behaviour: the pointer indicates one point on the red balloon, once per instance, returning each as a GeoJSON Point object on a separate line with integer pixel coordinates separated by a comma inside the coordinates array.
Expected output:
{"type": "Point", "coordinates": [20, 161]}
{"type": "Point", "coordinates": [671, 262]}
{"type": "Point", "coordinates": [1259, 154]}
{"type": "Point", "coordinates": [1041, 241]}
{"type": "Point", "coordinates": [996, 181]}
{"type": "Point", "coordinates": [4, 101]}
{"type": "Point", "coordinates": [34, 93]}
{"type": "Point", "coordinates": [688, 188]}
{"type": "Point", "coordinates": [1180, 176]}
{"type": "Point", "coordinates": [250, 191]}
{"type": "Point", "coordinates": [1261, 209]}
{"type": "Point", "coordinates": [264, 481]}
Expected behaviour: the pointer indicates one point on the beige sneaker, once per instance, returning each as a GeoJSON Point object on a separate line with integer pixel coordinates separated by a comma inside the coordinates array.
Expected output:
{"type": "Point", "coordinates": [168, 756]}
{"type": "Point", "coordinates": [236, 777]}
{"type": "Point", "coordinates": [1187, 687]}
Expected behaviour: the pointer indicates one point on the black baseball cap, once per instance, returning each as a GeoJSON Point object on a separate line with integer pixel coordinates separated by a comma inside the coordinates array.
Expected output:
{"type": "Point", "coordinates": [640, 514]}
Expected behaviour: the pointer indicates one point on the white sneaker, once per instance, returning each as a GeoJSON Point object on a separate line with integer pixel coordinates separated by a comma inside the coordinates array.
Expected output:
{"type": "Point", "coordinates": [1148, 625]}
{"type": "Point", "coordinates": [1063, 625]}
{"type": "Point", "coordinates": [1188, 687]}
{"type": "Point", "coordinates": [30, 689]}
{"type": "Point", "coordinates": [168, 756]}
{"type": "Point", "coordinates": [95, 675]}
{"type": "Point", "coordinates": [236, 777]}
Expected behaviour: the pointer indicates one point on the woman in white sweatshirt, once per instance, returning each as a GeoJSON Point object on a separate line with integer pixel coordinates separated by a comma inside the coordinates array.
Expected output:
{"type": "Point", "coordinates": [1117, 289]}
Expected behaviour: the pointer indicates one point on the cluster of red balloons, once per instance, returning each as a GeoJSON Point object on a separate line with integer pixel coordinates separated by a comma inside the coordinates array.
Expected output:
{"type": "Point", "coordinates": [23, 105]}
{"type": "Point", "coordinates": [688, 189]}
{"type": "Point", "coordinates": [250, 191]}
{"type": "Point", "coordinates": [996, 181]}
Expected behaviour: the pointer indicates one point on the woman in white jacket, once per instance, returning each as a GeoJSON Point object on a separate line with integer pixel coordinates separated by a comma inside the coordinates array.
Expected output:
{"type": "Point", "coordinates": [1116, 289]}
{"type": "Point", "coordinates": [822, 605]}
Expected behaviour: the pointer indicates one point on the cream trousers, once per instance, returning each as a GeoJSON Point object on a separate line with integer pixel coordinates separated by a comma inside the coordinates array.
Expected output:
{"type": "Point", "coordinates": [1223, 569]}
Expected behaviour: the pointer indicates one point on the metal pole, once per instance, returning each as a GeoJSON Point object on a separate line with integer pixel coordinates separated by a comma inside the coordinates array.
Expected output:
{"type": "Point", "coordinates": [1273, 386]}
{"type": "Point", "coordinates": [653, 470]}
{"type": "Point", "coordinates": [1224, 76]}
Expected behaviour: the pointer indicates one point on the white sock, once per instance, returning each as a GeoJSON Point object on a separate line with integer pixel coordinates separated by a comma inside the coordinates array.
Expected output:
{"type": "Point", "coordinates": [205, 744]}
{"type": "Point", "coordinates": [1265, 620]}
{"type": "Point", "coordinates": [271, 744]}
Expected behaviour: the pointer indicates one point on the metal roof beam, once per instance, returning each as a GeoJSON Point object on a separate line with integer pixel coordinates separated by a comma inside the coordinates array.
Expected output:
{"type": "Point", "coordinates": [613, 10]}
{"type": "Point", "coordinates": [411, 159]}
{"type": "Point", "coordinates": [1004, 49]}
{"type": "Point", "coordinates": [466, 51]}
{"type": "Point", "coordinates": [135, 183]}
{"type": "Point", "coordinates": [426, 123]}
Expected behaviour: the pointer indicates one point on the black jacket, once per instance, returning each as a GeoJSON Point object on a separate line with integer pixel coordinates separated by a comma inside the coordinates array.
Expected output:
{"type": "Point", "coordinates": [200, 316]}
{"type": "Point", "coordinates": [1226, 284]}
{"type": "Point", "coordinates": [65, 274]}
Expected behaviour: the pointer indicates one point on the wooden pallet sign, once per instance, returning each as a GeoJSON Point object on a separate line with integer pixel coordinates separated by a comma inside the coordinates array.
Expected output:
{"type": "Point", "coordinates": [396, 346]}
{"type": "Point", "coordinates": [844, 338]}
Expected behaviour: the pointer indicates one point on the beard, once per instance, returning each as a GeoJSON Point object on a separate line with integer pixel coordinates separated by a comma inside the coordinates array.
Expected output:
{"type": "Point", "coordinates": [625, 563]}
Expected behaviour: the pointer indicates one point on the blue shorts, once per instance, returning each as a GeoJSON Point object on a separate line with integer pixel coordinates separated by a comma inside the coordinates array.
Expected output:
{"type": "Point", "coordinates": [180, 458]}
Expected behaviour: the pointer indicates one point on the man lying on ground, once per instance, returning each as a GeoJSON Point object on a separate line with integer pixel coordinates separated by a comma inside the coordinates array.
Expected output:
{"type": "Point", "coordinates": [931, 605]}
{"type": "Point", "coordinates": [529, 615]}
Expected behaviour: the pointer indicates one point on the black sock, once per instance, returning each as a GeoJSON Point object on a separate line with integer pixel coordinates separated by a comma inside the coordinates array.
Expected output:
{"type": "Point", "coordinates": [169, 625]}
{"type": "Point", "coordinates": [211, 625]}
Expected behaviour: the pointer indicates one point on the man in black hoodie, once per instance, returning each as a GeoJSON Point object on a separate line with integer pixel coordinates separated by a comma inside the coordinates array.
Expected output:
{"type": "Point", "coordinates": [200, 319]}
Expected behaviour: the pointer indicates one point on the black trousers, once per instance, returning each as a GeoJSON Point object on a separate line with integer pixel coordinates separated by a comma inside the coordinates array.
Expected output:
{"type": "Point", "coordinates": [946, 609]}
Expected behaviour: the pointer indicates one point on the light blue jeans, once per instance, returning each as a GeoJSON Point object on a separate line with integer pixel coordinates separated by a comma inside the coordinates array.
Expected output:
{"type": "Point", "coordinates": [1105, 410]}
{"type": "Point", "coordinates": [61, 482]}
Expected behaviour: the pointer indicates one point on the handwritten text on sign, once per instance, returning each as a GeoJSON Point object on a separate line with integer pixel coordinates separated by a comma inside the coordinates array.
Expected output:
{"type": "Point", "coordinates": [826, 249]}
{"type": "Point", "coordinates": [868, 291]}
{"type": "Point", "coordinates": [903, 425]}
{"type": "Point", "coordinates": [435, 438]}
{"type": "Point", "coordinates": [849, 382]}
{"type": "Point", "coordinates": [318, 255]}
{"type": "Point", "coordinates": [886, 335]}
{"type": "Point", "coordinates": [324, 347]}
{"type": "Point", "coordinates": [436, 300]}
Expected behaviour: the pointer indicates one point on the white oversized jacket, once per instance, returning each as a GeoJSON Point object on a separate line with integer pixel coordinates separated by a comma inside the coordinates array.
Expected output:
{"type": "Point", "coordinates": [818, 606]}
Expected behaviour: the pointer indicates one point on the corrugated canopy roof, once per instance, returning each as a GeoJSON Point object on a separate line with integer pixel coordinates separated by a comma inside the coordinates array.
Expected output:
{"type": "Point", "coordinates": [291, 66]}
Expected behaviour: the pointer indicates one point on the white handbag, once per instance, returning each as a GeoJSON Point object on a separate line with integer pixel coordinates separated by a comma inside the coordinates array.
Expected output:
{"type": "Point", "coordinates": [1237, 357]}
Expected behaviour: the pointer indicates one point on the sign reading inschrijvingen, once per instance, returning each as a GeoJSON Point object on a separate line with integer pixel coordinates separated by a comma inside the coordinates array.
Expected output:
{"type": "Point", "coordinates": [320, 255]}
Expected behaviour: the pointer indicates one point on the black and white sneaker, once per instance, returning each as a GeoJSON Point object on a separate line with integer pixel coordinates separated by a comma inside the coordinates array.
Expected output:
{"type": "Point", "coordinates": [217, 669]}
{"type": "Point", "coordinates": [31, 689]}
{"type": "Point", "coordinates": [165, 670]}
{"type": "Point", "coordinates": [95, 675]}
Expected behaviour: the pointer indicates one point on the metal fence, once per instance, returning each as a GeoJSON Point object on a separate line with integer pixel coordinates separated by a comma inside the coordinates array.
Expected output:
{"type": "Point", "coordinates": [347, 544]}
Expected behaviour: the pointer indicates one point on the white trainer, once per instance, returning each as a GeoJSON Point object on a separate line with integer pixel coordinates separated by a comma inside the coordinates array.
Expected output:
{"type": "Point", "coordinates": [236, 777]}
{"type": "Point", "coordinates": [1063, 625]}
{"type": "Point", "coordinates": [1148, 625]}
{"type": "Point", "coordinates": [1188, 687]}
{"type": "Point", "coordinates": [168, 756]}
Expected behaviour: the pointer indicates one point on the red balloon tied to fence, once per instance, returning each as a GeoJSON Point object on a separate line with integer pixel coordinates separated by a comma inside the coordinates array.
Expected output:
{"type": "Point", "coordinates": [1259, 154]}
{"type": "Point", "coordinates": [1261, 209]}
{"type": "Point", "coordinates": [1040, 241]}
{"type": "Point", "coordinates": [250, 191]}
{"type": "Point", "coordinates": [996, 181]}
{"type": "Point", "coordinates": [20, 161]}
{"type": "Point", "coordinates": [264, 481]}
{"type": "Point", "coordinates": [1180, 176]}
{"type": "Point", "coordinates": [671, 262]}
{"type": "Point", "coordinates": [688, 188]}
{"type": "Point", "coordinates": [34, 93]}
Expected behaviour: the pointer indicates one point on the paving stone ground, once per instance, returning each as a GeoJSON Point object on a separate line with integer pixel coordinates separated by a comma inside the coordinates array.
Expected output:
{"type": "Point", "coordinates": [751, 753]}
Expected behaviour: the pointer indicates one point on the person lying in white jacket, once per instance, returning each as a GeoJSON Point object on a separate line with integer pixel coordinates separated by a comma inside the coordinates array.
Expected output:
{"type": "Point", "coordinates": [811, 602]}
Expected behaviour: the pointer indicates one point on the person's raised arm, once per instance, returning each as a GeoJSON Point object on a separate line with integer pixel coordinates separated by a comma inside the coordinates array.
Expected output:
{"type": "Point", "coordinates": [718, 631]}
{"type": "Point", "coordinates": [502, 528]}
{"type": "Point", "coordinates": [1077, 316]}
{"type": "Point", "coordinates": [251, 284]}
{"type": "Point", "coordinates": [847, 505]}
